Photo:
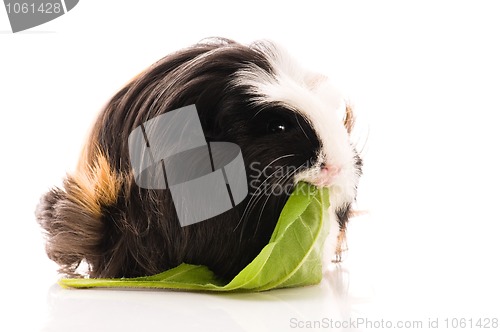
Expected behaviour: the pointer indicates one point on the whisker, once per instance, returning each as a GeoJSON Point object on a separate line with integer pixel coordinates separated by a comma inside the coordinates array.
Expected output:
{"type": "Point", "coordinates": [279, 181]}
{"type": "Point", "coordinates": [300, 126]}
{"type": "Point", "coordinates": [255, 198]}
{"type": "Point", "coordinates": [275, 160]}
{"type": "Point", "coordinates": [365, 143]}
{"type": "Point", "coordinates": [257, 113]}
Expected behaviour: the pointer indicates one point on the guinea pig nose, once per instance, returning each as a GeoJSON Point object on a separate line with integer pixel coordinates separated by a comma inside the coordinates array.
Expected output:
{"type": "Point", "coordinates": [330, 169]}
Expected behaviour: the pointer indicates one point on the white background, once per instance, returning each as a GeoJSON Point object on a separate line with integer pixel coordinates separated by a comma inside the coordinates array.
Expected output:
{"type": "Point", "coordinates": [424, 77]}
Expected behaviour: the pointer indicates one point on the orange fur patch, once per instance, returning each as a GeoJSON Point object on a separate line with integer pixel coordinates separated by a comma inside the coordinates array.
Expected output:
{"type": "Point", "coordinates": [95, 185]}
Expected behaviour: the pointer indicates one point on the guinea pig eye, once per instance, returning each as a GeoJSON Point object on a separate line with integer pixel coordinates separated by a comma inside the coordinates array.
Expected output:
{"type": "Point", "coordinates": [276, 126]}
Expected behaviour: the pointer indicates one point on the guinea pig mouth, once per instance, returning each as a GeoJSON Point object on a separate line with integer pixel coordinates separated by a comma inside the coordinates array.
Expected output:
{"type": "Point", "coordinates": [323, 182]}
{"type": "Point", "coordinates": [321, 175]}
{"type": "Point", "coordinates": [327, 175]}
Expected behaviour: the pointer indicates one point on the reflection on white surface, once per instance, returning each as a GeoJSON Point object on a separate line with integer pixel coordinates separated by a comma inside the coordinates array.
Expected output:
{"type": "Point", "coordinates": [133, 310]}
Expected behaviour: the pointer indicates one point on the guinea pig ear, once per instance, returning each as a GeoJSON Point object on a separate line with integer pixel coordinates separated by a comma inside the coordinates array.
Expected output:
{"type": "Point", "coordinates": [72, 217]}
{"type": "Point", "coordinates": [349, 119]}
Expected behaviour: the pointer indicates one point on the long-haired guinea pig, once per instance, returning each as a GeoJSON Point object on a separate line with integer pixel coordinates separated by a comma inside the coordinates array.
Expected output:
{"type": "Point", "coordinates": [290, 124]}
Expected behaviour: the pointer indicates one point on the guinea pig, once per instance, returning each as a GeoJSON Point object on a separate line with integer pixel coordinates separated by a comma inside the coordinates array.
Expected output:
{"type": "Point", "coordinates": [291, 125]}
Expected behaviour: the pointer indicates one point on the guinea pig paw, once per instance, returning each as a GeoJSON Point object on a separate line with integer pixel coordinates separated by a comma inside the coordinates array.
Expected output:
{"type": "Point", "coordinates": [341, 247]}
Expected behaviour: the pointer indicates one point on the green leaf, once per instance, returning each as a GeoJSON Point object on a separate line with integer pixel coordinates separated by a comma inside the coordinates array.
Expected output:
{"type": "Point", "coordinates": [292, 257]}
